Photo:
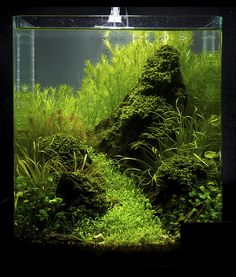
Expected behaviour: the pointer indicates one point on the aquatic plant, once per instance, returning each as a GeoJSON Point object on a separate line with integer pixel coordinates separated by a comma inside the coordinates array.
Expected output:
{"type": "Point", "coordinates": [67, 149]}
{"type": "Point", "coordinates": [181, 188]}
{"type": "Point", "coordinates": [83, 191]}
{"type": "Point", "coordinates": [201, 73]}
{"type": "Point", "coordinates": [33, 167]}
{"type": "Point", "coordinates": [38, 208]}
{"type": "Point", "coordinates": [202, 77]}
{"type": "Point", "coordinates": [202, 202]}
{"type": "Point", "coordinates": [190, 134]}
{"type": "Point", "coordinates": [117, 134]}
{"type": "Point", "coordinates": [180, 134]}
{"type": "Point", "coordinates": [106, 83]}
{"type": "Point", "coordinates": [43, 112]}
{"type": "Point", "coordinates": [146, 106]}
{"type": "Point", "coordinates": [35, 204]}
{"type": "Point", "coordinates": [195, 139]}
{"type": "Point", "coordinates": [178, 175]}
{"type": "Point", "coordinates": [130, 221]}
{"type": "Point", "coordinates": [37, 211]}
{"type": "Point", "coordinates": [166, 153]}
{"type": "Point", "coordinates": [161, 76]}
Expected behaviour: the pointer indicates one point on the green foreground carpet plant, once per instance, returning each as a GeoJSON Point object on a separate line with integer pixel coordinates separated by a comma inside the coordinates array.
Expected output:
{"type": "Point", "coordinates": [131, 219]}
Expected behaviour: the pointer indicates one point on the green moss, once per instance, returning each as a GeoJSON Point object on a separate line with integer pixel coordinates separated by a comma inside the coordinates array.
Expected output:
{"type": "Point", "coordinates": [130, 122]}
{"type": "Point", "coordinates": [84, 192]}
{"type": "Point", "coordinates": [187, 190]}
{"type": "Point", "coordinates": [146, 106]}
{"type": "Point", "coordinates": [179, 175]}
{"type": "Point", "coordinates": [64, 147]}
{"type": "Point", "coordinates": [130, 221]}
{"type": "Point", "coordinates": [161, 75]}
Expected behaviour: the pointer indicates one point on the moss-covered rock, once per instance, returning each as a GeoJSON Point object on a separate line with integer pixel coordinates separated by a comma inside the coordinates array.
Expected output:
{"type": "Point", "coordinates": [84, 192]}
{"type": "Point", "coordinates": [66, 148]}
{"type": "Point", "coordinates": [186, 191]}
{"type": "Point", "coordinates": [162, 77]}
{"type": "Point", "coordinates": [130, 122]}
{"type": "Point", "coordinates": [177, 176]}
{"type": "Point", "coordinates": [150, 104]}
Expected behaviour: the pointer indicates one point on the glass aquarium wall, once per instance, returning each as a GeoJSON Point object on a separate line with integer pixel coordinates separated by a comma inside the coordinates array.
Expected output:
{"type": "Point", "coordinates": [117, 128]}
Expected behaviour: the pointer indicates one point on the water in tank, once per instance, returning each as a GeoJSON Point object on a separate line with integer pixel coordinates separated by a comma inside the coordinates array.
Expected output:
{"type": "Point", "coordinates": [117, 128]}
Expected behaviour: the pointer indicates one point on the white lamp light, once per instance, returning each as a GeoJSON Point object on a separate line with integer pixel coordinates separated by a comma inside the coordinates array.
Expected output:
{"type": "Point", "coordinates": [115, 15]}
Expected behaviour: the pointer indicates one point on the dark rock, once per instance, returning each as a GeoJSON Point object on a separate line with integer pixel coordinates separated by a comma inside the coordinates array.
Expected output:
{"type": "Point", "coordinates": [178, 176]}
{"type": "Point", "coordinates": [84, 192]}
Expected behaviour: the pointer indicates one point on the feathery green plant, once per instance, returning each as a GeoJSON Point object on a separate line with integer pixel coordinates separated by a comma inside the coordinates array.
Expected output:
{"type": "Point", "coordinates": [201, 73]}
{"type": "Point", "coordinates": [106, 83]}
{"type": "Point", "coordinates": [47, 111]}
{"type": "Point", "coordinates": [202, 77]}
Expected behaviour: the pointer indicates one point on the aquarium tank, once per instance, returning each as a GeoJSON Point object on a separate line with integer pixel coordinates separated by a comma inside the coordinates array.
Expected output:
{"type": "Point", "coordinates": [117, 128]}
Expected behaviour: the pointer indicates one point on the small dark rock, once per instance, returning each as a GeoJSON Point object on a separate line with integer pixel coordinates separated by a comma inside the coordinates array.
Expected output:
{"type": "Point", "coordinates": [82, 191]}
{"type": "Point", "coordinates": [178, 176]}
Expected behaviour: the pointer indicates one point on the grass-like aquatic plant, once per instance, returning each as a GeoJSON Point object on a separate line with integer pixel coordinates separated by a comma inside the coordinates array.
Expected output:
{"type": "Point", "coordinates": [106, 83]}
{"type": "Point", "coordinates": [202, 76]}
{"type": "Point", "coordinates": [43, 112]}
{"type": "Point", "coordinates": [35, 169]}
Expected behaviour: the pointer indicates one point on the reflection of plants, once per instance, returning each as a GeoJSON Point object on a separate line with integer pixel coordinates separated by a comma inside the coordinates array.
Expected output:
{"type": "Point", "coordinates": [202, 78]}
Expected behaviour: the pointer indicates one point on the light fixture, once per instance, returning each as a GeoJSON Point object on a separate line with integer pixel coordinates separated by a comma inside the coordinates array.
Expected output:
{"type": "Point", "coordinates": [115, 15]}
{"type": "Point", "coordinates": [115, 20]}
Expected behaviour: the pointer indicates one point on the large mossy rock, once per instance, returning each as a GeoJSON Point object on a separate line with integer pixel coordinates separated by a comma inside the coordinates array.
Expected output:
{"type": "Point", "coordinates": [84, 192]}
{"type": "Point", "coordinates": [129, 124]}
{"type": "Point", "coordinates": [161, 76]}
{"type": "Point", "coordinates": [151, 104]}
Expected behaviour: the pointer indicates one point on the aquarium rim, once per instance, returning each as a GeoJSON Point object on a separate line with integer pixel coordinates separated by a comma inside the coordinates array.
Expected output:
{"type": "Point", "coordinates": [129, 22]}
